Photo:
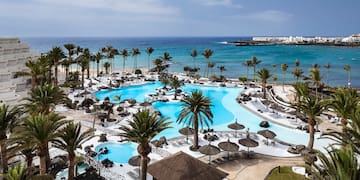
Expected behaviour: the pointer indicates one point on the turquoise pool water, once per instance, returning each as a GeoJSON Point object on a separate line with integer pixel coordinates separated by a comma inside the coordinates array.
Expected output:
{"type": "Point", "coordinates": [64, 174]}
{"type": "Point", "coordinates": [119, 153]}
{"type": "Point", "coordinates": [225, 109]}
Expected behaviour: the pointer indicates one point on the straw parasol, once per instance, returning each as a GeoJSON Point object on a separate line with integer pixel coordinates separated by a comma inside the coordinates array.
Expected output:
{"type": "Point", "coordinates": [267, 134]}
{"type": "Point", "coordinates": [236, 126]}
{"type": "Point", "coordinates": [229, 147]}
{"type": "Point", "coordinates": [181, 166]}
{"type": "Point", "coordinates": [186, 131]}
{"type": "Point", "coordinates": [247, 142]}
{"type": "Point", "coordinates": [209, 150]}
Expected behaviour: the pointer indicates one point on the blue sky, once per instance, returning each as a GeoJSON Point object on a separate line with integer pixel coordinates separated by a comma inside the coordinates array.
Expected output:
{"type": "Point", "coordinates": [179, 17]}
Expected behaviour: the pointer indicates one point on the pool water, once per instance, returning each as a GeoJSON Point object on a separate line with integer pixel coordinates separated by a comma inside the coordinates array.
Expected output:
{"type": "Point", "coordinates": [119, 153]}
{"type": "Point", "coordinates": [225, 109]}
{"type": "Point", "coordinates": [64, 173]}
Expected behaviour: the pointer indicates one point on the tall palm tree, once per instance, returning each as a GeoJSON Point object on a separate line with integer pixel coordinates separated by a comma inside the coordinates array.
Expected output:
{"type": "Point", "coordinates": [315, 78]}
{"type": "Point", "coordinates": [297, 63]}
{"type": "Point", "coordinates": [98, 57]}
{"type": "Point", "coordinates": [159, 64]}
{"type": "Point", "coordinates": [149, 51]}
{"type": "Point", "coordinates": [44, 98]}
{"type": "Point", "coordinates": [347, 68]}
{"type": "Point", "coordinates": [84, 64]}
{"type": "Point", "coordinates": [9, 119]}
{"type": "Point", "coordinates": [284, 68]}
{"type": "Point", "coordinates": [166, 57]}
{"type": "Point", "coordinates": [248, 64]}
{"type": "Point", "coordinates": [70, 139]}
{"type": "Point", "coordinates": [207, 54]}
{"type": "Point", "coordinates": [66, 63]}
{"type": "Point", "coordinates": [297, 73]}
{"type": "Point", "coordinates": [301, 91]}
{"type": "Point", "coordinates": [56, 54]}
{"type": "Point", "coordinates": [196, 110]}
{"type": "Point", "coordinates": [194, 54]}
{"type": "Point", "coordinates": [345, 102]}
{"type": "Point", "coordinates": [141, 130]}
{"type": "Point", "coordinates": [135, 53]}
{"type": "Point", "coordinates": [254, 63]}
{"type": "Point", "coordinates": [327, 67]}
{"type": "Point", "coordinates": [37, 70]}
{"type": "Point", "coordinates": [86, 56]}
{"type": "Point", "coordinates": [264, 74]}
{"type": "Point", "coordinates": [71, 50]}
{"type": "Point", "coordinates": [78, 50]}
{"type": "Point", "coordinates": [124, 53]}
{"type": "Point", "coordinates": [312, 107]}
{"type": "Point", "coordinates": [175, 83]}
{"type": "Point", "coordinates": [107, 66]}
{"type": "Point", "coordinates": [40, 130]}
{"type": "Point", "coordinates": [337, 164]}
{"type": "Point", "coordinates": [211, 65]}
{"type": "Point", "coordinates": [165, 80]}
{"type": "Point", "coordinates": [222, 69]}
{"type": "Point", "coordinates": [111, 52]}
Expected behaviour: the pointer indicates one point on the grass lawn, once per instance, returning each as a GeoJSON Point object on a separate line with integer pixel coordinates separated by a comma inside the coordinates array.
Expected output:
{"type": "Point", "coordinates": [285, 174]}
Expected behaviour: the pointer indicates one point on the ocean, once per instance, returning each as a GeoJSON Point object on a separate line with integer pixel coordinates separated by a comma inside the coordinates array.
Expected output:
{"type": "Point", "coordinates": [230, 56]}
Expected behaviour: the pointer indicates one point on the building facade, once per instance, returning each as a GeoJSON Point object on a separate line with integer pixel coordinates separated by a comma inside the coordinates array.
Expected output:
{"type": "Point", "coordinates": [13, 55]}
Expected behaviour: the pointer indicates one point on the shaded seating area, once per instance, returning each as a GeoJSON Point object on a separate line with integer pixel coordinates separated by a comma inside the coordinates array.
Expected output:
{"type": "Point", "coordinates": [90, 174]}
{"type": "Point", "coordinates": [182, 166]}
{"type": "Point", "coordinates": [296, 149]}
{"type": "Point", "coordinates": [107, 163]}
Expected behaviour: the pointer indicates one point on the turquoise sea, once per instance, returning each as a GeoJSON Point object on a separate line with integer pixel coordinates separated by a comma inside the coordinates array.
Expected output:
{"type": "Point", "coordinates": [230, 56]}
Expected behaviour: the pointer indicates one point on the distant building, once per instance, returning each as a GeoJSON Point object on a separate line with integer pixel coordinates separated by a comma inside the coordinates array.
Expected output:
{"type": "Point", "coordinates": [355, 38]}
{"type": "Point", "coordinates": [13, 55]}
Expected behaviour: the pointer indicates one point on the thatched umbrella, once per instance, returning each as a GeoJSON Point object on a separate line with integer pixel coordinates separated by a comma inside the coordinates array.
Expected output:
{"type": "Point", "coordinates": [180, 166]}
{"type": "Point", "coordinates": [186, 131]}
{"type": "Point", "coordinates": [145, 104]}
{"type": "Point", "coordinates": [267, 134]}
{"type": "Point", "coordinates": [236, 126]}
{"type": "Point", "coordinates": [209, 150]}
{"type": "Point", "coordinates": [247, 142]}
{"type": "Point", "coordinates": [228, 146]}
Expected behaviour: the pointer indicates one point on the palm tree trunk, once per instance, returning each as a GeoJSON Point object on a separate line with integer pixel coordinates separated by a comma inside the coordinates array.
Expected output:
{"type": "Point", "coordinates": [47, 158]}
{"type": "Point", "coordinates": [97, 69]}
{"type": "Point", "coordinates": [311, 133]}
{"type": "Point", "coordinates": [82, 78]}
{"type": "Point", "coordinates": [283, 82]}
{"type": "Point", "coordinates": [33, 81]}
{"type": "Point", "coordinates": [254, 73]}
{"type": "Point", "coordinates": [247, 75]}
{"type": "Point", "coordinates": [88, 71]}
{"type": "Point", "coordinates": [196, 130]}
{"type": "Point", "coordinates": [42, 165]}
{"type": "Point", "coordinates": [344, 123]}
{"type": "Point", "coordinates": [264, 90]}
{"type": "Point", "coordinates": [4, 159]}
{"type": "Point", "coordinates": [124, 65]}
{"type": "Point", "coordinates": [66, 74]}
{"type": "Point", "coordinates": [149, 63]}
{"type": "Point", "coordinates": [71, 167]}
{"type": "Point", "coordinates": [29, 160]}
{"type": "Point", "coordinates": [348, 84]}
{"type": "Point", "coordinates": [175, 93]}
{"type": "Point", "coordinates": [143, 166]}
{"type": "Point", "coordinates": [56, 73]}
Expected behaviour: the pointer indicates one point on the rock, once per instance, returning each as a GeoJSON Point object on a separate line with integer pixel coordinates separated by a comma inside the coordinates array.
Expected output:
{"type": "Point", "coordinates": [264, 124]}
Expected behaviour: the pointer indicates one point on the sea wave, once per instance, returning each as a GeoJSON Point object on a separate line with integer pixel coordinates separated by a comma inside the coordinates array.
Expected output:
{"type": "Point", "coordinates": [222, 42]}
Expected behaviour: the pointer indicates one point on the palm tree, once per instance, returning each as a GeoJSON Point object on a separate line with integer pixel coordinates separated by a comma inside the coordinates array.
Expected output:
{"type": "Point", "coordinates": [165, 81]}
{"type": "Point", "coordinates": [149, 51]}
{"type": "Point", "coordinates": [159, 64]}
{"type": "Point", "coordinates": [327, 66]}
{"type": "Point", "coordinates": [175, 83]}
{"type": "Point", "coordinates": [196, 110]}
{"type": "Point", "coordinates": [211, 65]}
{"type": "Point", "coordinates": [44, 98]}
{"type": "Point", "coordinates": [312, 107]}
{"type": "Point", "coordinates": [254, 63]}
{"type": "Point", "coordinates": [297, 73]}
{"type": "Point", "coordinates": [166, 57]}
{"type": "Point", "coordinates": [347, 68]}
{"type": "Point", "coordinates": [110, 53]}
{"type": "Point", "coordinates": [345, 102]}
{"type": "Point", "coordinates": [98, 57]}
{"type": "Point", "coordinates": [18, 172]}
{"type": "Point", "coordinates": [40, 130]}
{"type": "Point", "coordinates": [284, 68]}
{"type": "Point", "coordinates": [66, 64]}
{"type": "Point", "coordinates": [9, 119]}
{"type": "Point", "coordinates": [70, 139]}
{"type": "Point", "coordinates": [222, 69]}
{"type": "Point", "coordinates": [207, 54]}
{"type": "Point", "coordinates": [135, 53]}
{"type": "Point", "coordinates": [71, 49]}
{"type": "Point", "coordinates": [141, 130]}
{"type": "Point", "coordinates": [55, 55]}
{"type": "Point", "coordinates": [124, 53]}
{"type": "Point", "coordinates": [37, 71]}
{"type": "Point", "coordinates": [84, 64]}
{"type": "Point", "coordinates": [78, 50]}
{"type": "Point", "coordinates": [337, 164]}
{"type": "Point", "coordinates": [86, 55]}
{"type": "Point", "coordinates": [194, 54]}
{"type": "Point", "coordinates": [264, 74]}
{"type": "Point", "coordinates": [107, 65]}
{"type": "Point", "coordinates": [248, 64]}
{"type": "Point", "coordinates": [316, 78]}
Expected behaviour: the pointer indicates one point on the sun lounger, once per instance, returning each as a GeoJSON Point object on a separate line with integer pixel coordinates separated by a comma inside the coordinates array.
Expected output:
{"type": "Point", "coordinates": [133, 175]}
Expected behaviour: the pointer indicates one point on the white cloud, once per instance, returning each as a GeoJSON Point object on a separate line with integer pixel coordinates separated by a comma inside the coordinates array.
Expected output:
{"type": "Point", "coordinates": [266, 16]}
{"type": "Point", "coordinates": [225, 3]}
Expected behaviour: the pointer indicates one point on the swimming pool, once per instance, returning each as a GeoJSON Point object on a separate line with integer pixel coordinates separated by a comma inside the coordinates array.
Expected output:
{"type": "Point", "coordinates": [64, 173]}
{"type": "Point", "coordinates": [225, 109]}
{"type": "Point", "coordinates": [119, 153]}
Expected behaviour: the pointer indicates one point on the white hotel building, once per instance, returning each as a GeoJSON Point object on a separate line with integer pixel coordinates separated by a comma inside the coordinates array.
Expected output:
{"type": "Point", "coordinates": [13, 55]}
